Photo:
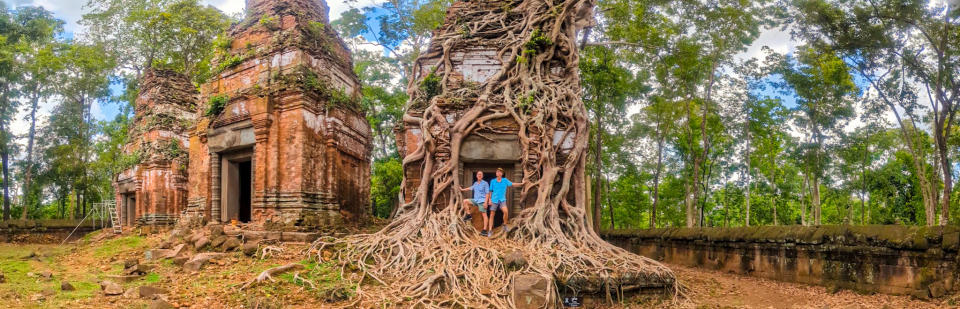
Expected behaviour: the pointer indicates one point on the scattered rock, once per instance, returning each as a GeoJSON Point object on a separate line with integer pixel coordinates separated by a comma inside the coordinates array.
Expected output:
{"type": "Point", "coordinates": [198, 261]}
{"type": "Point", "coordinates": [216, 241]}
{"type": "Point", "coordinates": [66, 286]}
{"type": "Point", "coordinates": [2, 278]}
{"type": "Point", "coordinates": [180, 260]}
{"type": "Point", "coordinates": [131, 293]}
{"type": "Point", "coordinates": [111, 288]}
{"type": "Point", "coordinates": [130, 263]}
{"type": "Point", "coordinates": [48, 292]}
{"type": "Point", "coordinates": [215, 230]}
{"type": "Point", "coordinates": [37, 297]}
{"type": "Point", "coordinates": [530, 291]}
{"type": "Point", "coordinates": [124, 278]}
{"type": "Point", "coordinates": [160, 304]}
{"type": "Point", "coordinates": [514, 260]}
{"type": "Point", "coordinates": [201, 242]}
{"type": "Point", "coordinates": [299, 237]}
{"type": "Point", "coordinates": [937, 289]}
{"type": "Point", "coordinates": [250, 248]}
{"type": "Point", "coordinates": [230, 244]}
{"type": "Point", "coordinates": [139, 269]}
{"type": "Point", "coordinates": [232, 231]}
{"type": "Point", "coordinates": [166, 244]}
{"type": "Point", "coordinates": [31, 275]}
{"type": "Point", "coordinates": [151, 292]}
{"type": "Point", "coordinates": [31, 255]}
{"type": "Point", "coordinates": [46, 274]}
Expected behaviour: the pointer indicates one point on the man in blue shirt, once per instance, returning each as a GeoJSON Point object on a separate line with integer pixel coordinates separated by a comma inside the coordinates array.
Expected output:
{"type": "Point", "coordinates": [498, 199]}
{"type": "Point", "coordinates": [481, 200]}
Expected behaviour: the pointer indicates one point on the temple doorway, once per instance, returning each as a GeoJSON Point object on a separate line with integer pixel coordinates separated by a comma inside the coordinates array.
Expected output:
{"type": "Point", "coordinates": [237, 186]}
{"type": "Point", "coordinates": [128, 209]}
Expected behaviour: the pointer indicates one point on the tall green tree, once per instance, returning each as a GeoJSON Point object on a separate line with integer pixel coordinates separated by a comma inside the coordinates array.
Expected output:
{"type": "Point", "coordinates": [824, 90]}
{"type": "Point", "coordinates": [172, 34]}
{"type": "Point", "coordinates": [40, 63]}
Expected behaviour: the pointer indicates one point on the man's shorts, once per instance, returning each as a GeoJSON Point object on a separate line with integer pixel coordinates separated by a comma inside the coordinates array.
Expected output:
{"type": "Point", "coordinates": [498, 205]}
{"type": "Point", "coordinates": [479, 205]}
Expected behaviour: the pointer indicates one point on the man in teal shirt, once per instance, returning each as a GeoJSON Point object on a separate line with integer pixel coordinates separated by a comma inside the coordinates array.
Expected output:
{"type": "Point", "coordinates": [498, 199]}
{"type": "Point", "coordinates": [481, 200]}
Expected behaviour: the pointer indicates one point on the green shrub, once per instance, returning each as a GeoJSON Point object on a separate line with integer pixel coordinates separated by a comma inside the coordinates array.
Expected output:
{"type": "Point", "coordinates": [430, 86]}
{"type": "Point", "coordinates": [270, 22]}
{"type": "Point", "coordinates": [216, 105]}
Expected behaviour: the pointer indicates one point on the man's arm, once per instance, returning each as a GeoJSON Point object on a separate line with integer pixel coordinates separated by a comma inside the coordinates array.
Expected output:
{"type": "Point", "coordinates": [462, 189]}
{"type": "Point", "coordinates": [488, 198]}
{"type": "Point", "coordinates": [517, 184]}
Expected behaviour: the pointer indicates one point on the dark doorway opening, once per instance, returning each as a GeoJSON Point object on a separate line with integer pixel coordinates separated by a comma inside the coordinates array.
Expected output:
{"type": "Point", "coordinates": [244, 169]}
{"type": "Point", "coordinates": [236, 188]}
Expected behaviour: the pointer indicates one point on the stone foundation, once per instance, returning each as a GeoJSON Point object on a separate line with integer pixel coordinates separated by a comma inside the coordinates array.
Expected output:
{"type": "Point", "coordinates": [44, 231]}
{"type": "Point", "coordinates": [918, 261]}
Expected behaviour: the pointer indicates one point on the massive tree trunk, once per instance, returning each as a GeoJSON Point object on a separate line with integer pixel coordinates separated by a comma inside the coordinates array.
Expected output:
{"type": "Point", "coordinates": [747, 198]}
{"type": "Point", "coordinates": [28, 175]}
{"type": "Point", "coordinates": [656, 179]}
{"type": "Point", "coordinates": [598, 169]}
{"type": "Point", "coordinates": [4, 157]}
{"type": "Point", "coordinates": [427, 256]}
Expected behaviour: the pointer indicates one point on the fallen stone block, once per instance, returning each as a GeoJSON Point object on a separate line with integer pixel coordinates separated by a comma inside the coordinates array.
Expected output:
{"type": "Point", "coordinates": [304, 237]}
{"type": "Point", "coordinates": [215, 230]}
{"type": "Point", "coordinates": [230, 244]}
{"type": "Point", "coordinates": [198, 261]}
{"type": "Point", "coordinates": [180, 260]}
{"type": "Point", "coordinates": [151, 292]}
{"type": "Point", "coordinates": [139, 269]}
{"type": "Point", "coordinates": [202, 242]}
{"type": "Point", "coordinates": [216, 241]}
{"type": "Point", "coordinates": [111, 288]}
{"type": "Point", "coordinates": [124, 278]}
{"type": "Point", "coordinates": [130, 263]}
{"type": "Point", "coordinates": [160, 304]}
{"type": "Point", "coordinates": [529, 291]}
{"type": "Point", "coordinates": [250, 248]}
{"type": "Point", "coordinates": [66, 286]}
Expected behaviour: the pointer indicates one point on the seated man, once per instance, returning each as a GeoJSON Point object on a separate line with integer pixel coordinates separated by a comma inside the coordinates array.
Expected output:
{"type": "Point", "coordinates": [498, 199]}
{"type": "Point", "coordinates": [481, 200]}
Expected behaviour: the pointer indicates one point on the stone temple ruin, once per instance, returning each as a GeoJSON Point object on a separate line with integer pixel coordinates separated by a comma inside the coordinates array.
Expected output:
{"type": "Point", "coordinates": [154, 191]}
{"type": "Point", "coordinates": [275, 139]}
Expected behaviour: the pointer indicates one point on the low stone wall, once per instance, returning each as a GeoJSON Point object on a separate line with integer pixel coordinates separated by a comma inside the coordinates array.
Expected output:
{"type": "Point", "coordinates": [44, 231]}
{"type": "Point", "coordinates": [918, 261]}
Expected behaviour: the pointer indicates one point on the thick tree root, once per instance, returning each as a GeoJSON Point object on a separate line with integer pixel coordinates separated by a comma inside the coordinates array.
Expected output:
{"type": "Point", "coordinates": [269, 273]}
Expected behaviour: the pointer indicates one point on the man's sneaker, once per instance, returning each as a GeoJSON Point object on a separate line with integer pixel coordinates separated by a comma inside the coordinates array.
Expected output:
{"type": "Point", "coordinates": [467, 218]}
{"type": "Point", "coordinates": [506, 229]}
{"type": "Point", "coordinates": [483, 233]}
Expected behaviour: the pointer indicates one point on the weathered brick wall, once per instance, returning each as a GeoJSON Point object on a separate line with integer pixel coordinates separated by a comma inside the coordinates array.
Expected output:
{"type": "Point", "coordinates": [164, 112]}
{"type": "Point", "coordinates": [918, 261]}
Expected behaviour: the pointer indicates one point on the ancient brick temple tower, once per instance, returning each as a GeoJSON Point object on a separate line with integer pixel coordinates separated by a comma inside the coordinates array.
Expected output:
{"type": "Point", "coordinates": [281, 141]}
{"type": "Point", "coordinates": [154, 190]}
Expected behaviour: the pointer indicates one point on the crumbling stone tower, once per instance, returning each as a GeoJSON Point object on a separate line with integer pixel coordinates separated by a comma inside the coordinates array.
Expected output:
{"type": "Point", "coordinates": [281, 141]}
{"type": "Point", "coordinates": [154, 189]}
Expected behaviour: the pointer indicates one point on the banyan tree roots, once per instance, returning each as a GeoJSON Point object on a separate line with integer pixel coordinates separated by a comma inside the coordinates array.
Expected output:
{"type": "Point", "coordinates": [427, 256]}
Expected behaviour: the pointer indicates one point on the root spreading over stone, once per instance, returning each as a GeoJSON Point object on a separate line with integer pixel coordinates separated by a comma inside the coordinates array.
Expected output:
{"type": "Point", "coordinates": [427, 256]}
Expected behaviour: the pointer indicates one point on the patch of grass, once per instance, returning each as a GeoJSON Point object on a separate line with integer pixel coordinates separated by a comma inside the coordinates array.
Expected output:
{"type": "Point", "coordinates": [330, 287]}
{"type": "Point", "coordinates": [152, 278]}
{"type": "Point", "coordinates": [83, 290]}
{"type": "Point", "coordinates": [114, 246]}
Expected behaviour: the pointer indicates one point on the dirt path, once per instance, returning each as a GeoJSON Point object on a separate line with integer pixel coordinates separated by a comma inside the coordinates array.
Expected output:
{"type": "Point", "coordinates": [712, 289]}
